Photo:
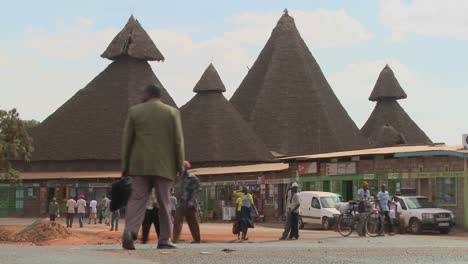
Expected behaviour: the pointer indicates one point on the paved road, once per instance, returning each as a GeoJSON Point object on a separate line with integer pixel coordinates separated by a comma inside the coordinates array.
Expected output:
{"type": "Point", "coordinates": [328, 249]}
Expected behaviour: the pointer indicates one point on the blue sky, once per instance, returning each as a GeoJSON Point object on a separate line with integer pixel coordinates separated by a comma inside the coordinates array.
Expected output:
{"type": "Point", "coordinates": [50, 49]}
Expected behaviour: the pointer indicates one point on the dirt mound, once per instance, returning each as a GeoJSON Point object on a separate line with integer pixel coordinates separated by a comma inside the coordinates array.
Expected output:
{"type": "Point", "coordinates": [6, 234]}
{"type": "Point", "coordinates": [41, 231]}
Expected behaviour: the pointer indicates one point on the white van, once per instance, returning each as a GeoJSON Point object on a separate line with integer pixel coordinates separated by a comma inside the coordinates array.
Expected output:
{"type": "Point", "coordinates": [318, 208]}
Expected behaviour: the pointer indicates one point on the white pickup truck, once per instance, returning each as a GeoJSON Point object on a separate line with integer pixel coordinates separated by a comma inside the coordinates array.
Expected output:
{"type": "Point", "coordinates": [417, 213]}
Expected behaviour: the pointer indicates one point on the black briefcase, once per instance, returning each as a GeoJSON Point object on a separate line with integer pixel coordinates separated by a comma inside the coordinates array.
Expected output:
{"type": "Point", "coordinates": [120, 193]}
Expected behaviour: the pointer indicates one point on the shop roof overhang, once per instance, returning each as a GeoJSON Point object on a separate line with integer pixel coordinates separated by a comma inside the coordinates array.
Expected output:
{"type": "Point", "coordinates": [70, 175]}
{"type": "Point", "coordinates": [266, 167]}
{"type": "Point", "coordinates": [398, 151]}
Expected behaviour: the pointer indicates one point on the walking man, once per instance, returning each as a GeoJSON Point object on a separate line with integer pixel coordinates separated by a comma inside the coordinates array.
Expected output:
{"type": "Point", "coordinates": [92, 211]}
{"type": "Point", "coordinates": [287, 226]}
{"type": "Point", "coordinates": [115, 220]}
{"type": "Point", "coordinates": [105, 204]}
{"type": "Point", "coordinates": [294, 211]}
{"type": "Point", "coordinates": [384, 198]}
{"type": "Point", "coordinates": [53, 209]}
{"type": "Point", "coordinates": [151, 217]}
{"type": "Point", "coordinates": [71, 205]}
{"type": "Point", "coordinates": [187, 189]}
{"type": "Point", "coordinates": [363, 202]}
{"type": "Point", "coordinates": [81, 205]}
{"type": "Point", "coordinates": [153, 154]}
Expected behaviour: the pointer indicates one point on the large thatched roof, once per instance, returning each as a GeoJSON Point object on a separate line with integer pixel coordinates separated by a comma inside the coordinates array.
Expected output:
{"type": "Point", "coordinates": [387, 87]}
{"type": "Point", "coordinates": [214, 131]}
{"type": "Point", "coordinates": [389, 112]}
{"type": "Point", "coordinates": [289, 103]}
{"type": "Point", "coordinates": [388, 136]}
{"type": "Point", "coordinates": [89, 125]}
{"type": "Point", "coordinates": [133, 41]}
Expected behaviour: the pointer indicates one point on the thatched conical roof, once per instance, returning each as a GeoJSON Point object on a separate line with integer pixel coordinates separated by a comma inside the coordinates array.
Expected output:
{"type": "Point", "coordinates": [214, 131]}
{"type": "Point", "coordinates": [387, 87]}
{"type": "Point", "coordinates": [89, 125]}
{"type": "Point", "coordinates": [210, 81]}
{"type": "Point", "coordinates": [289, 103]}
{"type": "Point", "coordinates": [389, 112]}
{"type": "Point", "coordinates": [133, 41]}
{"type": "Point", "coordinates": [388, 136]}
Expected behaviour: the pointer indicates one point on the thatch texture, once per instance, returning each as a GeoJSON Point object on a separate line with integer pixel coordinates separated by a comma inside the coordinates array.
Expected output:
{"type": "Point", "coordinates": [289, 103]}
{"type": "Point", "coordinates": [210, 81]}
{"type": "Point", "coordinates": [388, 136]}
{"type": "Point", "coordinates": [89, 125]}
{"type": "Point", "coordinates": [213, 129]}
{"type": "Point", "coordinates": [387, 87]}
{"type": "Point", "coordinates": [388, 111]}
{"type": "Point", "coordinates": [133, 41]}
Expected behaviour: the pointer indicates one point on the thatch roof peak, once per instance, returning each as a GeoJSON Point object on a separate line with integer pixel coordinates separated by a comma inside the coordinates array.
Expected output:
{"type": "Point", "coordinates": [289, 103]}
{"type": "Point", "coordinates": [133, 41]}
{"type": "Point", "coordinates": [210, 81]}
{"type": "Point", "coordinates": [387, 87]}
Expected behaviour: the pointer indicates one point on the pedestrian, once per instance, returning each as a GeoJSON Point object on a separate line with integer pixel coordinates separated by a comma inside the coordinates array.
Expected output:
{"type": "Point", "coordinates": [71, 205]}
{"type": "Point", "coordinates": [92, 211]}
{"type": "Point", "coordinates": [187, 189]}
{"type": "Point", "coordinates": [384, 198]}
{"type": "Point", "coordinates": [287, 226]}
{"type": "Point", "coordinates": [173, 204]}
{"type": "Point", "coordinates": [245, 214]}
{"type": "Point", "coordinates": [236, 225]}
{"type": "Point", "coordinates": [151, 217]}
{"type": "Point", "coordinates": [81, 205]}
{"type": "Point", "coordinates": [105, 209]}
{"type": "Point", "coordinates": [115, 220]}
{"type": "Point", "coordinates": [153, 154]}
{"type": "Point", "coordinates": [294, 209]}
{"type": "Point", "coordinates": [108, 212]}
{"type": "Point", "coordinates": [53, 209]}
{"type": "Point", "coordinates": [363, 203]}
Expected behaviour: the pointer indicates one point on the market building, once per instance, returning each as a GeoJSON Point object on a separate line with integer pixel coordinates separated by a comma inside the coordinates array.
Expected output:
{"type": "Point", "coordinates": [289, 103]}
{"type": "Point", "coordinates": [439, 172]}
{"type": "Point", "coordinates": [77, 148]}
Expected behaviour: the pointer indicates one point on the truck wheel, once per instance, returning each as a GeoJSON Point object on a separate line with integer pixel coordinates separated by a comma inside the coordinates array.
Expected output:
{"type": "Point", "coordinates": [415, 226]}
{"type": "Point", "coordinates": [300, 223]}
{"type": "Point", "coordinates": [444, 231]}
{"type": "Point", "coordinates": [325, 223]}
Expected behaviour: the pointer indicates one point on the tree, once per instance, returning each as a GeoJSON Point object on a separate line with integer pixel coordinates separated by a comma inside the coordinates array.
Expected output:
{"type": "Point", "coordinates": [31, 123]}
{"type": "Point", "coordinates": [15, 144]}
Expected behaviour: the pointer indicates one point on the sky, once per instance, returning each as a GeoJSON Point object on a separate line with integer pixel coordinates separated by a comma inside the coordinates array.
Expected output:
{"type": "Point", "coordinates": [51, 49]}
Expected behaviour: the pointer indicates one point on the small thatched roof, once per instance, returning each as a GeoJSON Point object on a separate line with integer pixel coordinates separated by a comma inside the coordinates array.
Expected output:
{"type": "Point", "coordinates": [214, 131]}
{"type": "Point", "coordinates": [133, 41]}
{"type": "Point", "coordinates": [289, 103]}
{"type": "Point", "coordinates": [388, 136]}
{"type": "Point", "coordinates": [210, 81]}
{"type": "Point", "coordinates": [89, 125]}
{"type": "Point", "coordinates": [387, 87]}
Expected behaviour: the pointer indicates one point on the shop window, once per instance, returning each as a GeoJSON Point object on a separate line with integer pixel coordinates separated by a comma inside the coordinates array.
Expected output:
{"type": "Point", "coordinates": [446, 191]}
{"type": "Point", "coordinates": [19, 199]}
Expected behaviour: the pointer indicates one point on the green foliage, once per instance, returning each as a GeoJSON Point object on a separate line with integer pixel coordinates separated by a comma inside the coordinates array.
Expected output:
{"type": "Point", "coordinates": [31, 123]}
{"type": "Point", "coordinates": [15, 144]}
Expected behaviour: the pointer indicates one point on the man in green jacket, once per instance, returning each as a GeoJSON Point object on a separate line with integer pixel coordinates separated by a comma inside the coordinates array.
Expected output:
{"type": "Point", "coordinates": [152, 154]}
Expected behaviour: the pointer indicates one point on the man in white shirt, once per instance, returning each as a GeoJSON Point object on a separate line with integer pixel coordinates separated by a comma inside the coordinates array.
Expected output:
{"type": "Point", "coordinates": [363, 202]}
{"type": "Point", "coordinates": [81, 205]}
{"type": "Point", "coordinates": [71, 205]}
{"type": "Point", "coordinates": [384, 198]}
{"type": "Point", "coordinates": [93, 211]}
{"type": "Point", "coordinates": [294, 209]}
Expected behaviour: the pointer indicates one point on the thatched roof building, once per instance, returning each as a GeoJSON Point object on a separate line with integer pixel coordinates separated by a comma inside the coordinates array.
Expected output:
{"type": "Point", "coordinates": [289, 103]}
{"type": "Point", "coordinates": [388, 112]}
{"type": "Point", "coordinates": [88, 127]}
{"type": "Point", "coordinates": [215, 133]}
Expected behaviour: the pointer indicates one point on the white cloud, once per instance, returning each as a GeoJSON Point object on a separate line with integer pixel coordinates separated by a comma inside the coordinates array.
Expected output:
{"type": "Point", "coordinates": [425, 17]}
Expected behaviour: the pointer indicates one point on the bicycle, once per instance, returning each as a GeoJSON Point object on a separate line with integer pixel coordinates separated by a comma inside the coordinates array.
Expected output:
{"type": "Point", "coordinates": [348, 221]}
{"type": "Point", "coordinates": [374, 221]}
